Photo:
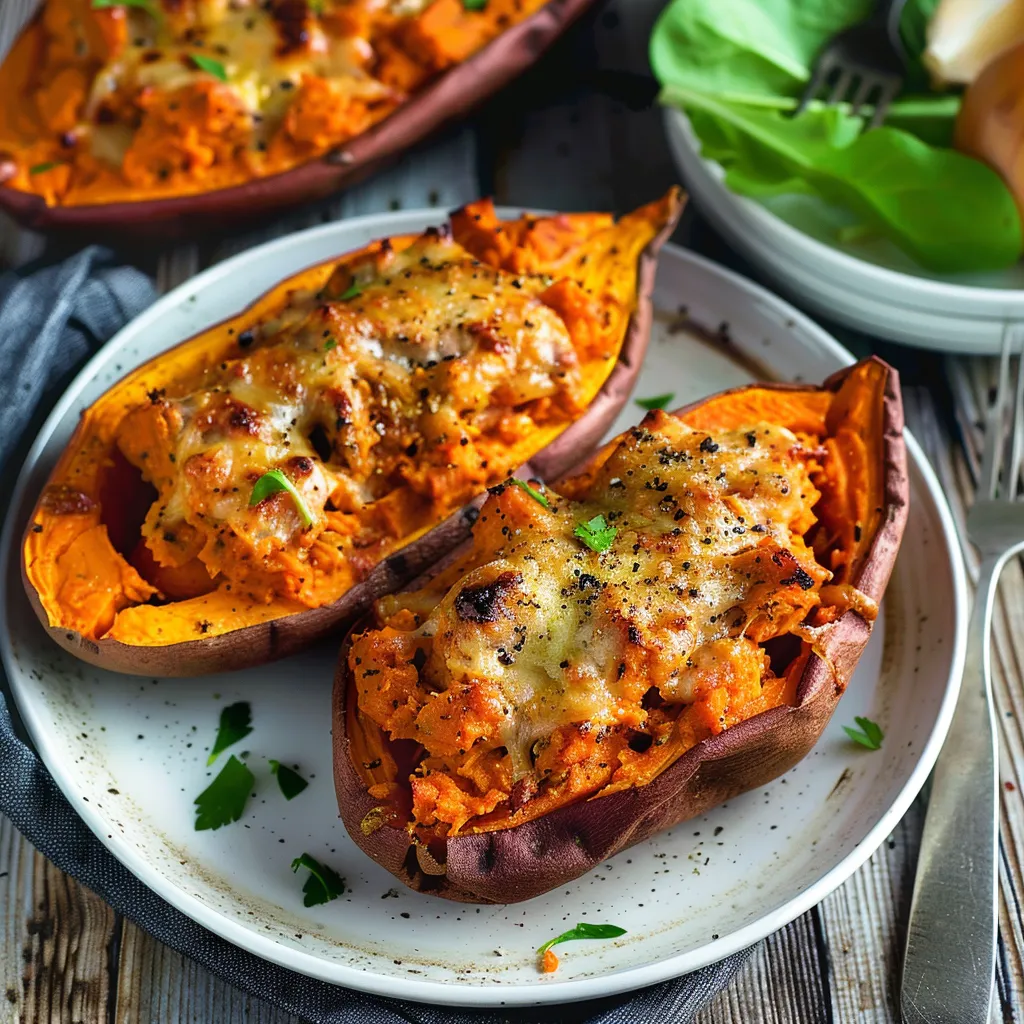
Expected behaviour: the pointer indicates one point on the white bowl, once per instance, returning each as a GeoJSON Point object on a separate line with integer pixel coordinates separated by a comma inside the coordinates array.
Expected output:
{"type": "Point", "coordinates": [870, 285]}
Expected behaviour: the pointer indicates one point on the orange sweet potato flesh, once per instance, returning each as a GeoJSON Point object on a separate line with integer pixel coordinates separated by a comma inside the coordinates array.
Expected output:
{"type": "Point", "coordinates": [120, 585]}
{"type": "Point", "coordinates": [107, 121]}
{"type": "Point", "coordinates": [736, 735]}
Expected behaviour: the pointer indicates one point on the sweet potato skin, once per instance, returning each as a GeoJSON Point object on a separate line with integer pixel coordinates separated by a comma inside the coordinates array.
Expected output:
{"type": "Point", "coordinates": [448, 99]}
{"type": "Point", "coordinates": [277, 638]}
{"type": "Point", "coordinates": [518, 863]}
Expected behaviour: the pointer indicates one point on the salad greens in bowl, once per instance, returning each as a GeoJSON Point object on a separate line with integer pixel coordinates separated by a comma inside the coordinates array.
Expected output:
{"type": "Point", "coordinates": [736, 69]}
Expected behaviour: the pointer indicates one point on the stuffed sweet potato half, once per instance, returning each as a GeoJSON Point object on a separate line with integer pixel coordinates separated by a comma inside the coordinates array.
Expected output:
{"type": "Point", "coordinates": [172, 116]}
{"type": "Point", "coordinates": [613, 654]}
{"type": "Point", "coordinates": [239, 495]}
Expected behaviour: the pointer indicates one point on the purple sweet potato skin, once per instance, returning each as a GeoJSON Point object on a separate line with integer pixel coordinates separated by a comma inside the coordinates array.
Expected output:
{"type": "Point", "coordinates": [450, 98]}
{"type": "Point", "coordinates": [518, 863]}
{"type": "Point", "coordinates": [267, 641]}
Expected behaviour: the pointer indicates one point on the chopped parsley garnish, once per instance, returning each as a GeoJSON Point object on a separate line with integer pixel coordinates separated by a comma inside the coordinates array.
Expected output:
{"type": "Point", "coordinates": [868, 735]}
{"type": "Point", "coordinates": [474, 5]}
{"type": "Point", "coordinates": [273, 481]}
{"type": "Point", "coordinates": [353, 291]}
{"type": "Point", "coordinates": [291, 782]}
{"type": "Point", "coordinates": [596, 534]}
{"type": "Point", "coordinates": [535, 494]}
{"type": "Point", "coordinates": [223, 801]}
{"type": "Point", "coordinates": [235, 724]}
{"type": "Point", "coordinates": [316, 6]}
{"type": "Point", "coordinates": [42, 168]}
{"type": "Point", "coordinates": [323, 884]}
{"type": "Point", "coordinates": [209, 65]}
{"type": "Point", "coordinates": [146, 5]}
{"type": "Point", "coordinates": [330, 343]}
{"type": "Point", "coordinates": [657, 402]}
{"type": "Point", "coordinates": [584, 931]}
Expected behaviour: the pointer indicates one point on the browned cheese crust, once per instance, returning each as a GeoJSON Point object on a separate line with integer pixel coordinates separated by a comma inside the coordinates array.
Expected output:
{"type": "Point", "coordinates": [517, 863]}
{"type": "Point", "coordinates": [280, 636]}
{"type": "Point", "coordinates": [450, 98]}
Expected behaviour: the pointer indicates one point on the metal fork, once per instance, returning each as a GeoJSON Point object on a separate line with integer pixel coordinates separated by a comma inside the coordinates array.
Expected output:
{"type": "Point", "coordinates": [865, 62]}
{"type": "Point", "coordinates": [949, 963]}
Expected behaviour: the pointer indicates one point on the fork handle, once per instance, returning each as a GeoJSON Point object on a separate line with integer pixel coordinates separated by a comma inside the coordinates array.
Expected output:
{"type": "Point", "coordinates": [950, 957]}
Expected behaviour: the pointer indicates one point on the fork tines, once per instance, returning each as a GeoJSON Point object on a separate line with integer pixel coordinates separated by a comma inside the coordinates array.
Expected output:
{"type": "Point", "coordinates": [854, 83]}
{"type": "Point", "coordinates": [1004, 421]}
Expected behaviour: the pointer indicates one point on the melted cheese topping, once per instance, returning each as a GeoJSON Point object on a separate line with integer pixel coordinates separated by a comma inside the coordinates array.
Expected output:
{"type": "Point", "coordinates": [396, 376]}
{"type": "Point", "coordinates": [382, 391]}
{"type": "Point", "coordinates": [180, 96]}
{"type": "Point", "coordinates": [537, 632]}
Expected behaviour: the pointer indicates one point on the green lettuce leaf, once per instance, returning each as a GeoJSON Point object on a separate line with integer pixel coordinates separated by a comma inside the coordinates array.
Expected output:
{"type": "Point", "coordinates": [746, 50]}
{"type": "Point", "coordinates": [738, 67]}
{"type": "Point", "coordinates": [948, 211]}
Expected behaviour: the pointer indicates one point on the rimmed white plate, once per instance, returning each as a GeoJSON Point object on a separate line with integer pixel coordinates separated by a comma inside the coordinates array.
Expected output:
{"type": "Point", "coordinates": [870, 285]}
{"type": "Point", "coordinates": [130, 752]}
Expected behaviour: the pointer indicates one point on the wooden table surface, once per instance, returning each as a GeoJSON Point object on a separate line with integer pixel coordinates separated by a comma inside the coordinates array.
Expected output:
{"type": "Point", "coordinates": [574, 133]}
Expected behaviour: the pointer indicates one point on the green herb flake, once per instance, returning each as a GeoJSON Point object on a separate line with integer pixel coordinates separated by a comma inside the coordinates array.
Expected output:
{"type": "Point", "coordinates": [657, 402]}
{"type": "Point", "coordinates": [223, 801]}
{"type": "Point", "coordinates": [44, 167]}
{"type": "Point", "coordinates": [596, 534]}
{"type": "Point", "coordinates": [584, 931]}
{"type": "Point", "coordinates": [291, 782]}
{"type": "Point", "coordinates": [317, 7]}
{"type": "Point", "coordinates": [474, 5]}
{"type": "Point", "coordinates": [209, 65]}
{"type": "Point", "coordinates": [235, 724]}
{"type": "Point", "coordinates": [143, 5]}
{"type": "Point", "coordinates": [330, 343]}
{"type": "Point", "coordinates": [535, 494]}
{"type": "Point", "coordinates": [273, 481]}
{"type": "Point", "coordinates": [353, 291]}
{"type": "Point", "coordinates": [868, 735]}
{"type": "Point", "coordinates": [323, 884]}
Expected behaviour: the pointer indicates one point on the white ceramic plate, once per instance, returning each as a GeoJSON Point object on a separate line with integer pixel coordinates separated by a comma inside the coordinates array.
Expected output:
{"type": "Point", "coordinates": [130, 752]}
{"type": "Point", "coordinates": [870, 285]}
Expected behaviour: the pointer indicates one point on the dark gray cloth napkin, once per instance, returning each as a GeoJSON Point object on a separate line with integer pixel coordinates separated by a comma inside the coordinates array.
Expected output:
{"type": "Point", "coordinates": [51, 319]}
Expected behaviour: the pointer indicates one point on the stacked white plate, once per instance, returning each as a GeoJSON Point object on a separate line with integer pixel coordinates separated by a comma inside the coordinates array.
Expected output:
{"type": "Point", "coordinates": [869, 284]}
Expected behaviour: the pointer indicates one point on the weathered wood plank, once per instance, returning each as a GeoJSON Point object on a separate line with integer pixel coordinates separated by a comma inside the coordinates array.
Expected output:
{"type": "Point", "coordinates": [784, 982]}
{"type": "Point", "coordinates": [16, 868]}
{"type": "Point", "coordinates": [157, 984]}
{"type": "Point", "coordinates": [56, 936]}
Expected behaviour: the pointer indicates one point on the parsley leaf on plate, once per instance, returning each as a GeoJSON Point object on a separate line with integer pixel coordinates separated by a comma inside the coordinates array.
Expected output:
{"type": "Point", "coordinates": [223, 801]}
{"type": "Point", "coordinates": [353, 291]}
{"type": "Point", "coordinates": [474, 5]}
{"type": "Point", "coordinates": [584, 931]}
{"type": "Point", "coordinates": [655, 402]}
{"type": "Point", "coordinates": [868, 735]}
{"type": "Point", "coordinates": [235, 724]}
{"type": "Point", "coordinates": [535, 494]}
{"type": "Point", "coordinates": [323, 885]}
{"type": "Point", "coordinates": [209, 65]}
{"type": "Point", "coordinates": [291, 782]}
{"type": "Point", "coordinates": [43, 167]}
{"type": "Point", "coordinates": [273, 481]}
{"type": "Point", "coordinates": [596, 534]}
